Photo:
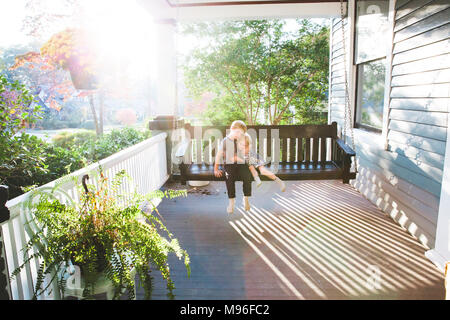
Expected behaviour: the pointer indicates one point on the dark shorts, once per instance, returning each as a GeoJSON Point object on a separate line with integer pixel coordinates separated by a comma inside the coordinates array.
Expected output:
{"type": "Point", "coordinates": [234, 172]}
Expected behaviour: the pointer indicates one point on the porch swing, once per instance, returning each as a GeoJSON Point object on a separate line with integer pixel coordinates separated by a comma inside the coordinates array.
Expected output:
{"type": "Point", "coordinates": [306, 152]}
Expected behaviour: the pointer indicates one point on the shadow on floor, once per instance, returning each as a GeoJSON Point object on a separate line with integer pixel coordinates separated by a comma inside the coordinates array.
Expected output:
{"type": "Point", "coordinates": [317, 240]}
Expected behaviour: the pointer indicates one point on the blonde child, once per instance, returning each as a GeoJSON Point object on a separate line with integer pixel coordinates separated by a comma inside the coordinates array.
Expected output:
{"type": "Point", "coordinates": [227, 154]}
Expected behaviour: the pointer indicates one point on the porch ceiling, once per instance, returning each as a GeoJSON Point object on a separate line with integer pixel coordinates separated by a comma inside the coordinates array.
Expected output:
{"type": "Point", "coordinates": [188, 10]}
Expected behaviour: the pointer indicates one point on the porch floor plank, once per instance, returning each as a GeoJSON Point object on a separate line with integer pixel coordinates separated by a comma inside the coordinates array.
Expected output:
{"type": "Point", "coordinates": [317, 240]}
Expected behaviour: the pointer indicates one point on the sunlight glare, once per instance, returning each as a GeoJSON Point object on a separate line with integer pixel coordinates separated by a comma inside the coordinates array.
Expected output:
{"type": "Point", "coordinates": [123, 32]}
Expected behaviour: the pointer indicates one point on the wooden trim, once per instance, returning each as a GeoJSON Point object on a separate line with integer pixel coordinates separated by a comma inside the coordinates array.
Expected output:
{"type": "Point", "coordinates": [388, 74]}
{"type": "Point", "coordinates": [239, 3]}
{"type": "Point", "coordinates": [330, 78]}
{"type": "Point", "coordinates": [367, 128]}
{"type": "Point", "coordinates": [442, 240]}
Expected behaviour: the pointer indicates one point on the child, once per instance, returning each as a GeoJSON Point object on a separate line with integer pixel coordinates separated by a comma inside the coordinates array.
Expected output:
{"type": "Point", "coordinates": [253, 160]}
{"type": "Point", "coordinates": [228, 152]}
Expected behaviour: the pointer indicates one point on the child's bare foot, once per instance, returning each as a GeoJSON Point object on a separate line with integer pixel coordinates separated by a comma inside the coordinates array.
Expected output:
{"type": "Point", "coordinates": [246, 204]}
{"type": "Point", "coordinates": [280, 184]}
{"type": "Point", "coordinates": [258, 181]}
{"type": "Point", "coordinates": [230, 207]}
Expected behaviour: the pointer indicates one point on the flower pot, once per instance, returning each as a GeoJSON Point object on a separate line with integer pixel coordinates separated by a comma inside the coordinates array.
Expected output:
{"type": "Point", "coordinates": [75, 287]}
{"type": "Point", "coordinates": [83, 80]}
{"type": "Point", "coordinates": [194, 183]}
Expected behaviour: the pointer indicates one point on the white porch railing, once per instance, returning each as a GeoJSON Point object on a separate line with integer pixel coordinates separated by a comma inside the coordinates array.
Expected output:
{"type": "Point", "coordinates": [145, 163]}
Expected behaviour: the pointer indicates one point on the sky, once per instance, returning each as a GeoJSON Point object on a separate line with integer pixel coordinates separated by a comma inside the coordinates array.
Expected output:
{"type": "Point", "coordinates": [11, 16]}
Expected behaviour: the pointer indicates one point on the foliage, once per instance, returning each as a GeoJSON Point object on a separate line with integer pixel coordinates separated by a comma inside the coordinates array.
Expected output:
{"type": "Point", "coordinates": [103, 234]}
{"type": "Point", "coordinates": [43, 16]}
{"type": "Point", "coordinates": [258, 69]}
{"type": "Point", "coordinates": [116, 140]}
{"type": "Point", "coordinates": [20, 154]}
{"type": "Point", "coordinates": [70, 140]}
{"type": "Point", "coordinates": [22, 161]}
{"type": "Point", "coordinates": [28, 160]}
{"type": "Point", "coordinates": [68, 49]}
{"type": "Point", "coordinates": [16, 108]}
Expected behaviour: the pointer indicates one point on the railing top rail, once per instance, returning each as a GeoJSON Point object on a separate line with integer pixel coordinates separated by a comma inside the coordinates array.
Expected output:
{"type": "Point", "coordinates": [13, 204]}
{"type": "Point", "coordinates": [285, 131]}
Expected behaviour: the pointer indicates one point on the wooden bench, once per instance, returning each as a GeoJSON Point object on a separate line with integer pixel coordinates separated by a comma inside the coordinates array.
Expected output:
{"type": "Point", "coordinates": [296, 152]}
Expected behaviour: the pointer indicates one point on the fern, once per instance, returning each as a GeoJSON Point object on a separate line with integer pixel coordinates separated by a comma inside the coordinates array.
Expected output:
{"type": "Point", "coordinates": [102, 235]}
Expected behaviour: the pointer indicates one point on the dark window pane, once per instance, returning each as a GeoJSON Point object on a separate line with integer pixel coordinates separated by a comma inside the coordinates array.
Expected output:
{"type": "Point", "coordinates": [370, 94]}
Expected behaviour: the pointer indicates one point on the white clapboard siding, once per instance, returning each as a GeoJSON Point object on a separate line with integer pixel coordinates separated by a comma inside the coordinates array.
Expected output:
{"type": "Point", "coordinates": [145, 163]}
{"type": "Point", "coordinates": [421, 13]}
{"type": "Point", "coordinates": [430, 104]}
{"type": "Point", "coordinates": [337, 79]}
{"type": "Point", "coordinates": [404, 180]}
{"type": "Point", "coordinates": [373, 184]}
{"type": "Point", "coordinates": [420, 77]}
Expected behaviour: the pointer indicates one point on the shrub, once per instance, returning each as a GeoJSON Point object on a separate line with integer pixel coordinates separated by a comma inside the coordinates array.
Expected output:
{"type": "Point", "coordinates": [20, 154]}
{"type": "Point", "coordinates": [23, 159]}
{"type": "Point", "coordinates": [29, 161]}
{"type": "Point", "coordinates": [67, 139]}
{"type": "Point", "coordinates": [113, 142]}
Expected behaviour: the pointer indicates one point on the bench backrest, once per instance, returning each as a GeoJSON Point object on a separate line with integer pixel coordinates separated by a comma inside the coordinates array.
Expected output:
{"type": "Point", "coordinates": [281, 143]}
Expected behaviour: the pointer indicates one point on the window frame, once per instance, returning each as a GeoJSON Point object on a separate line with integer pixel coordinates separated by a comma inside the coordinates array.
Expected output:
{"type": "Point", "coordinates": [383, 133]}
{"type": "Point", "coordinates": [357, 117]}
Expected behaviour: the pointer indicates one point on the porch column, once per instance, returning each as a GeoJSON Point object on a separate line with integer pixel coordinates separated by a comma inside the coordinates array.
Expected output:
{"type": "Point", "coordinates": [166, 86]}
{"type": "Point", "coordinates": [441, 252]}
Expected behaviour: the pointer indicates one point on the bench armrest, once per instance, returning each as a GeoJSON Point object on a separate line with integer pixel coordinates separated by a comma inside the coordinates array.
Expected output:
{"type": "Point", "coordinates": [344, 147]}
{"type": "Point", "coordinates": [183, 147]}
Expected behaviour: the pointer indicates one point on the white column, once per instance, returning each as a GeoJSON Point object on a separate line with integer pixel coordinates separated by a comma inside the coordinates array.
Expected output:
{"type": "Point", "coordinates": [441, 252]}
{"type": "Point", "coordinates": [166, 71]}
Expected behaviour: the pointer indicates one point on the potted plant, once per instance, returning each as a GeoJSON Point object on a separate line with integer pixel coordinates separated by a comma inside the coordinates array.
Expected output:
{"type": "Point", "coordinates": [108, 236]}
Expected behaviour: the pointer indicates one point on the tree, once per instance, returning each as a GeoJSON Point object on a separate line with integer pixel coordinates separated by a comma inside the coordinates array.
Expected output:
{"type": "Point", "coordinates": [257, 69]}
{"type": "Point", "coordinates": [71, 50]}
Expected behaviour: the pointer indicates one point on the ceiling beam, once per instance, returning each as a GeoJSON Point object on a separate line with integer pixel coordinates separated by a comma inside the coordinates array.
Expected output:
{"type": "Point", "coordinates": [240, 10]}
{"type": "Point", "coordinates": [175, 4]}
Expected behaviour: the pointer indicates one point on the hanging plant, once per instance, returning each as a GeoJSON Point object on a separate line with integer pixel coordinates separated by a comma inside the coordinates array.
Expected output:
{"type": "Point", "coordinates": [105, 236]}
{"type": "Point", "coordinates": [72, 50]}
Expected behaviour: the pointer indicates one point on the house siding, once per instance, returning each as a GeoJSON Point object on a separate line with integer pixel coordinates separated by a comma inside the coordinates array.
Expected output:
{"type": "Point", "coordinates": [405, 180]}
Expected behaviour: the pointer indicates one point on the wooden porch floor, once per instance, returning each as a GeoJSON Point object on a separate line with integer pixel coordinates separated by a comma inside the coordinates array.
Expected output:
{"type": "Point", "coordinates": [317, 240]}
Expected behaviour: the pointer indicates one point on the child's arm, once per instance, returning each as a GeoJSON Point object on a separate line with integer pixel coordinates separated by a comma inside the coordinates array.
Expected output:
{"type": "Point", "coordinates": [253, 171]}
{"type": "Point", "coordinates": [219, 155]}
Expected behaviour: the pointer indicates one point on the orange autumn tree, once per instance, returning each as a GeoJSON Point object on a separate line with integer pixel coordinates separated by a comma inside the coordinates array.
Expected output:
{"type": "Point", "coordinates": [71, 50]}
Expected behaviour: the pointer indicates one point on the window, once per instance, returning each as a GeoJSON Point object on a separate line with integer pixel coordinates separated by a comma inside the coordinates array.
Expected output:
{"type": "Point", "coordinates": [370, 93]}
{"type": "Point", "coordinates": [371, 28]}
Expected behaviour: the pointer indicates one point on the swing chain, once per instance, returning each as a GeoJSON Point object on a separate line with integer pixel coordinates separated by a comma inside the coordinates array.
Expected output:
{"type": "Point", "coordinates": [347, 109]}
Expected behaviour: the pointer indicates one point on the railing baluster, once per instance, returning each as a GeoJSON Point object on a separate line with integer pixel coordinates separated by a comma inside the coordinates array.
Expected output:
{"type": "Point", "coordinates": [308, 150]}
{"type": "Point", "coordinates": [28, 284]}
{"type": "Point", "coordinates": [15, 261]}
{"type": "Point", "coordinates": [292, 152]}
{"type": "Point", "coordinates": [300, 150]}
{"type": "Point", "coordinates": [315, 151]}
{"type": "Point", "coordinates": [323, 150]}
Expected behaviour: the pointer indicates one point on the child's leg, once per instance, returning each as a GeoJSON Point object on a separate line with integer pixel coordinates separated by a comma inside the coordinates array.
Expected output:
{"type": "Point", "coordinates": [255, 175]}
{"type": "Point", "coordinates": [230, 179]}
{"type": "Point", "coordinates": [271, 175]}
{"type": "Point", "coordinates": [246, 184]}
{"type": "Point", "coordinates": [266, 172]}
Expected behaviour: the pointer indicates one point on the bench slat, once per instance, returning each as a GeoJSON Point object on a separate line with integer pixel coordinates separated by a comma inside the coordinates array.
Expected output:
{"type": "Point", "coordinates": [308, 150]}
{"type": "Point", "coordinates": [300, 150]}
